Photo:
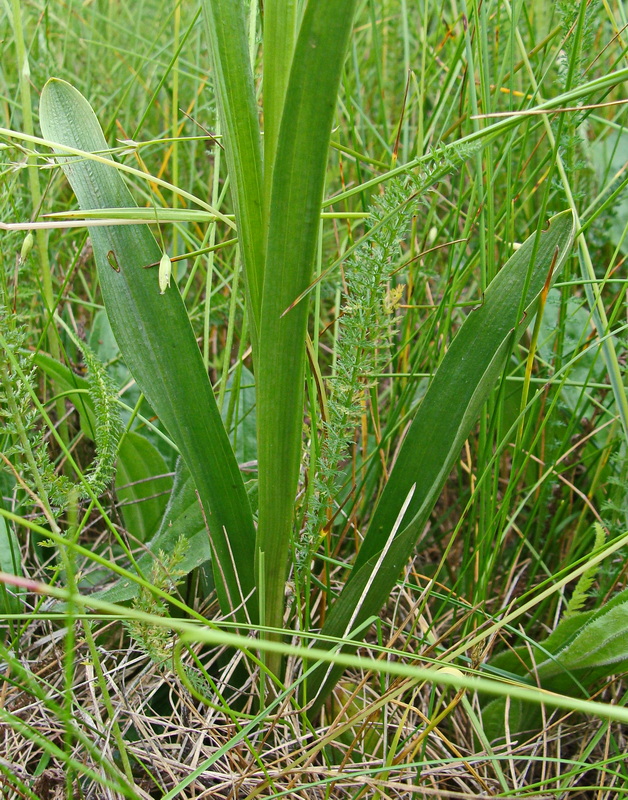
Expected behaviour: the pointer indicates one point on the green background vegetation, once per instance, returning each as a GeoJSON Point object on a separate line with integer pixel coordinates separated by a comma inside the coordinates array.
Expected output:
{"type": "Point", "coordinates": [434, 179]}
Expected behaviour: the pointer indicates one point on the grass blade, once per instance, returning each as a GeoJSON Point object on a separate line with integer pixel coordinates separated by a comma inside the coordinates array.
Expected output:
{"type": "Point", "coordinates": [280, 31]}
{"type": "Point", "coordinates": [157, 342]}
{"type": "Point", "coordinates": [297, 190]}
{"type": "Point", "coordinates": [225, 23]}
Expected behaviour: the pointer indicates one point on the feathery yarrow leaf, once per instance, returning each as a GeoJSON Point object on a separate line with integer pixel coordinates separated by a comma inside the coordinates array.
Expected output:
{"type": "Point", "coordinates": [20, 412]}
{"type": "Point", "coordinates": [367, 329]}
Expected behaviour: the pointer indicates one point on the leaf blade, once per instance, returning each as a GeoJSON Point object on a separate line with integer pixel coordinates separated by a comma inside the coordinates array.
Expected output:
{"type": "Point", "coordinates": [443, 422]}
{"type": "Point", "coordinates": [225, 25]}
{"type": "Point", "coordinates": [142, 485]}
{"type": "Point", "coordinates": [157, 342]}
{"type": "Point", "coordinates": [296, 197]}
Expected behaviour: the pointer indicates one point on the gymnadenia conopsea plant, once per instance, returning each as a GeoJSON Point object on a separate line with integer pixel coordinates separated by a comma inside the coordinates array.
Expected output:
{"type": "Point", "coordinates": [277, 192]}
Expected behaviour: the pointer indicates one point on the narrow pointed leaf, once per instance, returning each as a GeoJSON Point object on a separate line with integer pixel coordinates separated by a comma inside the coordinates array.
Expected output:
{"type": "Point", "coordinates": [157, 342]}
{"type": "Point", "coordinates": [296, 196]}
{"type": "Point", "coordinates": [443, 422]}
{"type": "Point", "coordinates": [280, 31]}
{"type": "Point", "coordinates": [11, 598]}
{"type": "Point", "coordinates": [225, 23]}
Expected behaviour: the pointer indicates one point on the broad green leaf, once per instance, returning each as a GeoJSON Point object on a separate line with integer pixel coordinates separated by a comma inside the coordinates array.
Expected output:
{"type": "Point", "coordinates": [464, 380]}
{"type": "Point", "coordinates": [10, 562]}
{"type": "Point", "coordinates": [157, 341]}
{"type": "Point", "coordinates": [183, 517]}
{"type": "Point", "coordinates": [609, 155]}
{"type": "Point", "coordinates": [142, 485]}
{"type": "Point", "coordinates": [450, 408]}
{"type": "Point", "coordinates": [68, 381]}
{"type": "Point", "coordinates": [103, 343]}
{"type": "Point", "coordinates": [239, 414]}
{"type": "Point", "coordinates": [297, 190]}
{"type": "Point", "coordinates": [601, 643]}
{"type": "Point", "coordinates": [557, 654]}
{"type": "Point", "coordinates": [225, 23]}
{"type": "Point", "coordinates": [582, 651]}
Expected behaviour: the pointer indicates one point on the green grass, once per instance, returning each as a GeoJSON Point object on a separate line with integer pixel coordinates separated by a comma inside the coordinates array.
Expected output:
{"type": "Point", "coordinates": [158, 685]}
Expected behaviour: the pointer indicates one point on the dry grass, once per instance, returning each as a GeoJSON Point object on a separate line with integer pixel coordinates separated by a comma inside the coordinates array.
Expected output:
{"type": "Point", "coordinates": [394, 740]}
